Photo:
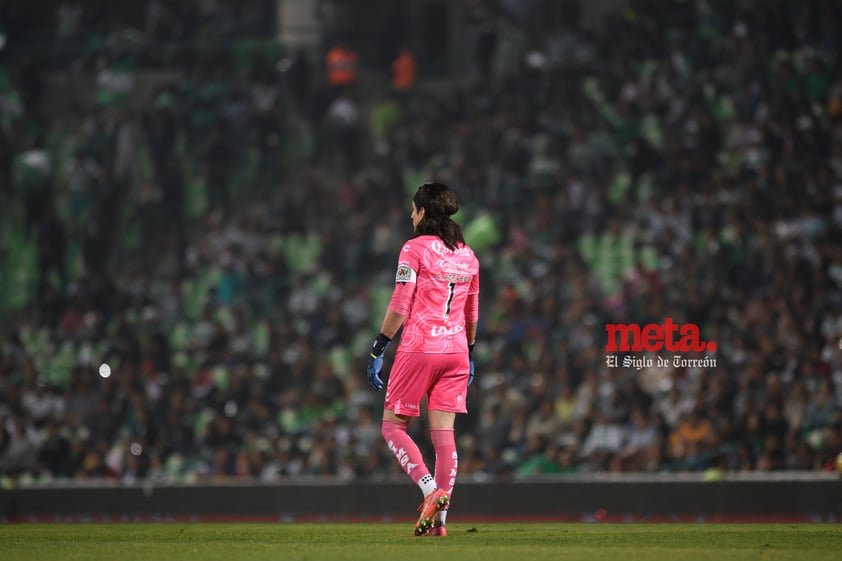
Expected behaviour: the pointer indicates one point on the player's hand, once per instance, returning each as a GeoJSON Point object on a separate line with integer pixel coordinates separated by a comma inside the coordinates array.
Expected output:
{"type": "Point", "coordinates": [375, 361]}
{"type": "Point", "coordinates": [471, 360]}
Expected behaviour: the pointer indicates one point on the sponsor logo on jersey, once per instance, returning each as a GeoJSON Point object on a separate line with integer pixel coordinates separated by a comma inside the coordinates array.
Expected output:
{"type": "Point", "coordinates": [442, 249]}
{"type": "Point", "coordinates": [445, 330]}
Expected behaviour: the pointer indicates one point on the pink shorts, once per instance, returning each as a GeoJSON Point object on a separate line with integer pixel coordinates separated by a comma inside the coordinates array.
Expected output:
{"type": "Point", "coordinates": [443, 378]}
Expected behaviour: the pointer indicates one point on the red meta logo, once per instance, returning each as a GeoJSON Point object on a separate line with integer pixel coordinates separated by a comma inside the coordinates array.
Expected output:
{"type": "Point", "coordinates": [653, 337]}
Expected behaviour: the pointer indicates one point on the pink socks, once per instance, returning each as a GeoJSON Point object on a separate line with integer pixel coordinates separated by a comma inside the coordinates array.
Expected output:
{"type": "Point", "coordinates": [410, 459]}
{"type": "Point", "coordinates": [447, 460]}
{"type": "Point", "coordinates": [406, 451]}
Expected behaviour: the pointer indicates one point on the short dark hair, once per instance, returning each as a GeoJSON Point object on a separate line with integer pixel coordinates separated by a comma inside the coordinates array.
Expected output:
{"type": "Point", "coordinates": [439, 203]}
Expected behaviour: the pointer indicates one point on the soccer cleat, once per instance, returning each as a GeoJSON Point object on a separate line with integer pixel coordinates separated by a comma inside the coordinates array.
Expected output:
{"type": "Point", "coordinates": [438, 530]}
{"type": "Point", "coordinates": [435, 501]}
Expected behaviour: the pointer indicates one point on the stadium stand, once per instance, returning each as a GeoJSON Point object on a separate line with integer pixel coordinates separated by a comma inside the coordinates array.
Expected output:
{"type": "Point", "coordinates": [221, 239]}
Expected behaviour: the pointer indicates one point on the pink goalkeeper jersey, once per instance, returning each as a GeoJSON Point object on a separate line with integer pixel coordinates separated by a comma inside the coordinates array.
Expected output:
{"type": "Point", "coordinates": [432, 286]}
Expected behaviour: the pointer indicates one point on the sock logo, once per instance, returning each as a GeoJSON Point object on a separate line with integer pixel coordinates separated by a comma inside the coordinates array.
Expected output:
{"type": "Point", "coordinates": [403, 457]}
{"type": "Point", "coordinates": [453, 470]}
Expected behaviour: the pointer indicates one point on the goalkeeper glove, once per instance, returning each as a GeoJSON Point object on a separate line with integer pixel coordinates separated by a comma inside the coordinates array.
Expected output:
{"type": "Point", "coordinates": [471, 359]}
{"type": "Point", "coordinates": [375, 361]}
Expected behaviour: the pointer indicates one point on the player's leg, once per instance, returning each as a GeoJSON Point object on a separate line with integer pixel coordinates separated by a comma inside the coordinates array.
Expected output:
{"type": "Point", "coordinates": [406, 451]}
{"type": "Point", "coordinates": [407, 384]}
{"type": "Point", "coordinates": [446, 398]}
{"type": "Point", "coordinates": [409, 456]}
{"type": "Point", "coordinates": [447, 461]}
{"type": "Point", "coordinates": [444, 443]}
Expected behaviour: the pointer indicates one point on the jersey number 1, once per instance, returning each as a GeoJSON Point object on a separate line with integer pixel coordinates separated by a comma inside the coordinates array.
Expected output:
{"type": "Point", "coordinates": [450, 289]}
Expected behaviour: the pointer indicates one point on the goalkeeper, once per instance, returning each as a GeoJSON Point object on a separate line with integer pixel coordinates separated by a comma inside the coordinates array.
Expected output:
{"type": "Point", "coordinates": [435, 299]}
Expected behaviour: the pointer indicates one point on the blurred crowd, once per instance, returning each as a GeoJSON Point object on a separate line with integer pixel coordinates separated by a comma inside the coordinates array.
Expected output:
{"type": "Point", "coordinates": [225, 247]}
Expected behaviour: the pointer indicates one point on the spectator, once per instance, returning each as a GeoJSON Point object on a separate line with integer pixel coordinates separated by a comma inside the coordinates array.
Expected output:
{"type": "Point", "coordinates": [404, 71]}
{"type": "Point", "coordinates": [341, 67]}
{"type": "Point", "coordinates": [694, 437]}
{"type": "Point", "coordinates": [604, 440]}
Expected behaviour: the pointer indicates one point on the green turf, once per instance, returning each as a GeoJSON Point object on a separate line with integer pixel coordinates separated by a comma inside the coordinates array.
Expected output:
{"type": "Point", "coordinates": [394, 542]}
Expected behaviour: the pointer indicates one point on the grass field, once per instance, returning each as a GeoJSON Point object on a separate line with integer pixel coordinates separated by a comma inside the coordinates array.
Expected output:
{"type": "Point", "coordinates": [394, 542]}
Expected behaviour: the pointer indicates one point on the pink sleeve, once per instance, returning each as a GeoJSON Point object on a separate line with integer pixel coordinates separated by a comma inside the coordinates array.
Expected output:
{"type": "Point", "coordinates": [472, 303]}
{"type": "Point", "coordinates": [405, 279]}
{"type": "Point", "coordinates": [402, 297]}
{"type": "Point", "coordinates": [472, 308]}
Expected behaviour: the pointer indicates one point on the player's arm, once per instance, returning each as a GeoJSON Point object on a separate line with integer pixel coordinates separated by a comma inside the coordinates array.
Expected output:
{"type": "Point", "coordinates": [392, 321]}
{"type": "Point", "coordinates": [472, 311]}
{"type": "Point", "coordinates": [405, 282]}
{"type": "Point", "coordinates": [471, 321]}
{"type": "Point", "coordinates": [399, 305]}
{"type": "Point", "coordinates": [471, 331]}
